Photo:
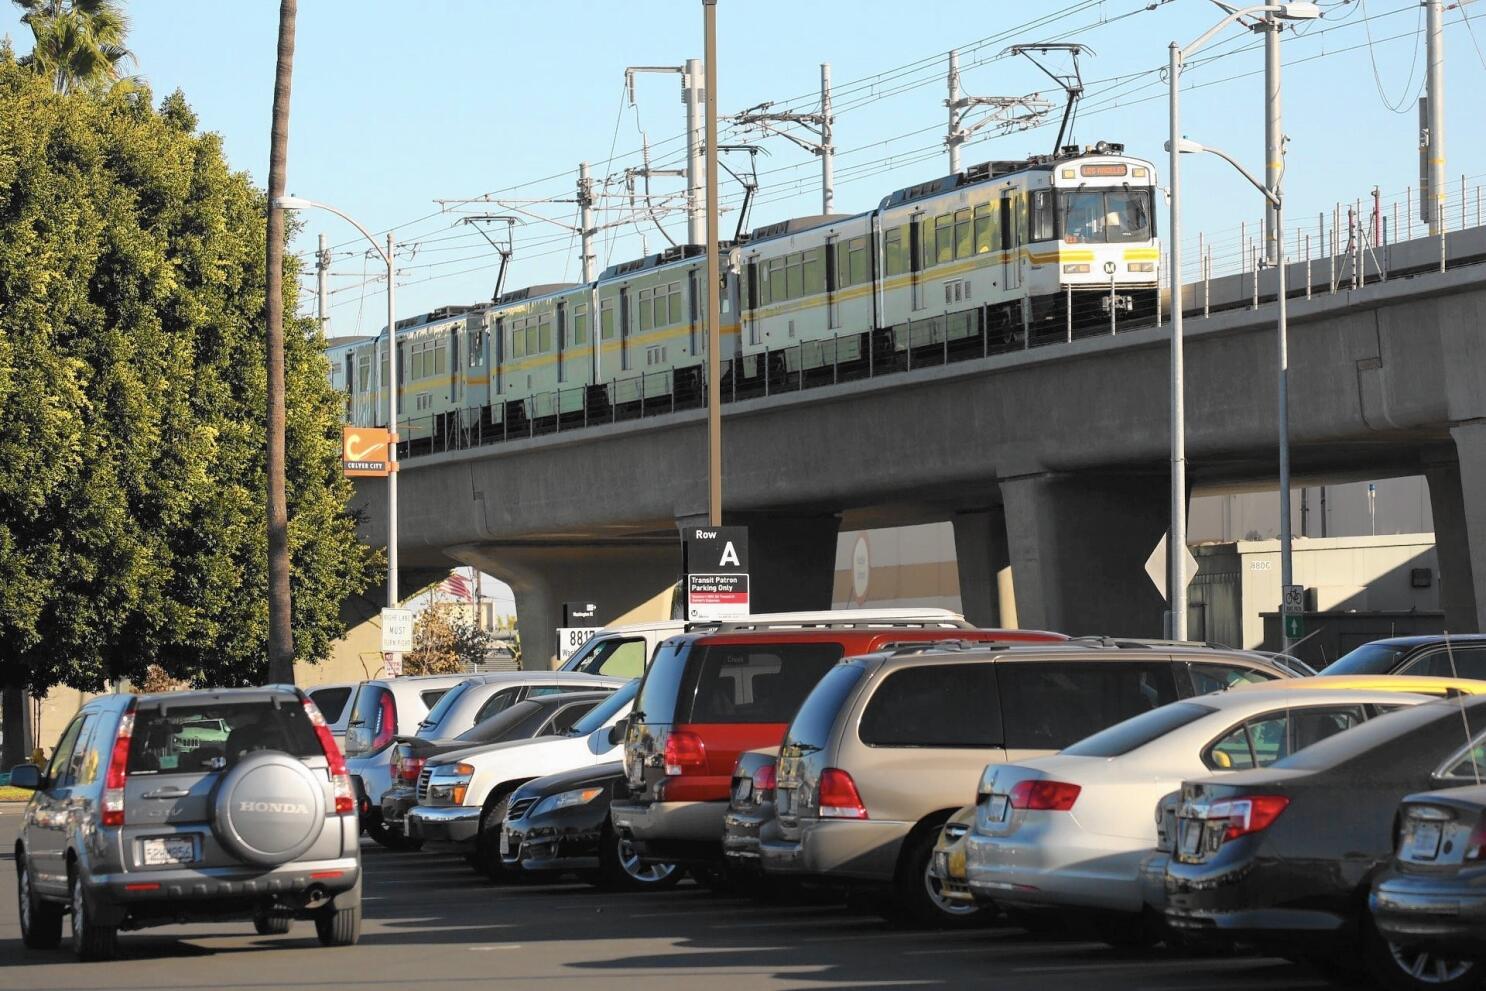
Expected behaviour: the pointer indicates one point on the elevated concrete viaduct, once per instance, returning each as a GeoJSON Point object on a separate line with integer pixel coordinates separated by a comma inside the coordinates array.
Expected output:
{"type": "Point", "coordinates": [1052, 463]}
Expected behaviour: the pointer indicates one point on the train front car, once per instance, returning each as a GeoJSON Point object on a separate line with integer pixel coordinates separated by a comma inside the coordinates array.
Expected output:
{"type": "Point", "coordinates": [1005, 255]}
{"type": "Point", "coordinates": [1107, 256]}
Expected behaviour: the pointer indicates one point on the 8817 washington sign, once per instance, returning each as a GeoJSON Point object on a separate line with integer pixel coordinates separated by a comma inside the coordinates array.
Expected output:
{"type": "Point", "coordinates": [716, 573]}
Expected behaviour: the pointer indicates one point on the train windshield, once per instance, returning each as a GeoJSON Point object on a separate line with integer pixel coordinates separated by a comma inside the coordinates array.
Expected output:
{"type": "Point", "coordinates": [1099, 216]}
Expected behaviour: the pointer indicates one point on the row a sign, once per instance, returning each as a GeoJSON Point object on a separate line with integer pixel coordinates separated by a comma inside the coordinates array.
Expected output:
{"type": "Point", "coordinates": [716, 573]}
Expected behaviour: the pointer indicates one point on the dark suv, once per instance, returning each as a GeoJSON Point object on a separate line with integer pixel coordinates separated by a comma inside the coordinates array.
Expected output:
{"type": "Point", "coordinates": [1432, 655]}
{"type": "Point", "coordinates": [189, 805]}
{"type": "Point", "coordinates": [708, 697]}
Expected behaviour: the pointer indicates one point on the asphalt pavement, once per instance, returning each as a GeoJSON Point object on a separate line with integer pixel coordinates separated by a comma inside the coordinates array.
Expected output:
{"type": "Point", "coordinates": [431, 922]}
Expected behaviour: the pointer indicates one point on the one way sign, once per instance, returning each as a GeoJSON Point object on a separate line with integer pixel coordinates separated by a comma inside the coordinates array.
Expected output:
{"type": "Point", "coordinates": [716, 573]}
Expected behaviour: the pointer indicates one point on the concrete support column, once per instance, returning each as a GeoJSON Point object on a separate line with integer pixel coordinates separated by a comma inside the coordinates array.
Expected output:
{"type": "Point", "coordinates": [629, 581]}
{"type": "Point", "coordinates": [1457, 497]}
{"type": "Point", "coordinates": [1078, 546]}
{"type": "Point", "coordinates": [791, 558]}
{"type": "Point", "coordinates": [983, 561]}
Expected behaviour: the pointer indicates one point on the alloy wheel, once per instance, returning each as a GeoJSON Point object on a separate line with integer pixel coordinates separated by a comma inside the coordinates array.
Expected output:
{"type": "Point", "coordinates": [946, 905]}
{"type": "Point", "coordinates": [23, 887]}
{"type": "Point", "coordinates": [1428, 968]}
{"type": "Point", "coordinates": [645, 873]}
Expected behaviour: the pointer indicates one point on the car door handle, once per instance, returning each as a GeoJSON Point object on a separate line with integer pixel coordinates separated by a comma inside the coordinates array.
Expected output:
{"type": "Point", "coordinates": [167, 792]}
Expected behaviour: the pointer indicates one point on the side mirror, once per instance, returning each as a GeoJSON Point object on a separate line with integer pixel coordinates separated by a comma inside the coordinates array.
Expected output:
{"type": "Point", "coordinates": [618, 731]}
{"type": "Point", "coordinates": [27, 776]}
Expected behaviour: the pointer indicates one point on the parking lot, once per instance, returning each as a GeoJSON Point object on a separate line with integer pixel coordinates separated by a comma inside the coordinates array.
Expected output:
{"type": "Point", "coordinates": [431, 922]}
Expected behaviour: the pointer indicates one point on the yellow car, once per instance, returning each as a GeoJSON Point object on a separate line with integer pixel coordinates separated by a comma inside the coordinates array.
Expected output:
{"type": "Point", "coordinates": [947, 864]}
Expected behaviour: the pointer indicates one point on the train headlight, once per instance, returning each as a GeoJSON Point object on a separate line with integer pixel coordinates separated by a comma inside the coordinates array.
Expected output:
{"type": "Point", "coordinates": [1081, 269]}
{"type": "Point", "coordinates": [1142, 266]}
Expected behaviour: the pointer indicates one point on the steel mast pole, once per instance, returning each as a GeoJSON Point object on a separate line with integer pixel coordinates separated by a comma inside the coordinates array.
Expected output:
{"type": "Point", "coordinates": [953, 139]}
{"type": "Point", "coordinates": [1435, 139]}
{"type": "Point", "coordinates": [392, 596]}
{"type": "Point", "coordinates": [827, 150]}
{"type": "Point", "coordinates": [714, 276]}
{"type": "Point", "coordinates": [1274, 135]}
{"type": "Point", "coordinates": [322, 280]}
{"type": "Point", "coordinates": [1176, 595]}
{"type": "Point", "coordinates": [695, 93]}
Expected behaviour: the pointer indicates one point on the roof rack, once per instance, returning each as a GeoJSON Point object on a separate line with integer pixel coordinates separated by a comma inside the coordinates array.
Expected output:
{"type": "Point", "coordinates": [1146, 643]}
{"type": "Point", "coordinates": [760, 624]}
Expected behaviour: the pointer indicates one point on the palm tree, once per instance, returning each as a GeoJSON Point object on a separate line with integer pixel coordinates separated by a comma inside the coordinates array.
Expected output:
{"type": "Point", "coordinates": [280, 631]}
{"type": "Point", "coordinates": [79, 43]}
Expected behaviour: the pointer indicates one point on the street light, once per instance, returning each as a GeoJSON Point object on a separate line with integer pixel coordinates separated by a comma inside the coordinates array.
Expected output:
{"type": "Point", "coordinates": [1174, 145]}
{"type": "Point", "coordinates": [300, 203]}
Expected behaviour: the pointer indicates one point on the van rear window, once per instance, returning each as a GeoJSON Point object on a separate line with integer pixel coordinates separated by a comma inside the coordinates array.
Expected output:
{"type": "Point", "coordinates": [752, 683]}
{"type": "Point", "coordinates": [812, 725]}
{"type": "Point", "coordinates": [1051, 705]}
{"type": "Point", "coordinates": [208, 736]}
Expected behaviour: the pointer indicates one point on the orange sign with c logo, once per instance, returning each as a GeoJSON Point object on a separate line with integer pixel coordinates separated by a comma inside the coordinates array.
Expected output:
{"type": "Point", "coordinates": [364, 452]}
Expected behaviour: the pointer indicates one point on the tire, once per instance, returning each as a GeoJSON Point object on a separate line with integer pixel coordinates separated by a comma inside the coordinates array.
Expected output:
{"type": "Point", "coordinates": [340, 923]}
{"type": "Point", "coordinates": [90, 941]}
{"type": "Point", "coordinates": [622, 870]}
{"type": "Point", "coordinates": [1408, 969]}
{"type": "Point", "coordinates": [916, 901]}
{"type": "Point", "coordinates": [487, 841]}
{"type": "Point", "coordinates": [41, 921]}
{"type": "Point", "coordinates": [272, 923]}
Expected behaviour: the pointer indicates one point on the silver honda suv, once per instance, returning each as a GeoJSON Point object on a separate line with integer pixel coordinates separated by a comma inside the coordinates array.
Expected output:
{"type": "Point", "coordinates": [191, 805]}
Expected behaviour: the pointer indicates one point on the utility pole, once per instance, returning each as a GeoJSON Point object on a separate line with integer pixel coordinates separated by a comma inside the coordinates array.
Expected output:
{"type": "Point", "coordinates": [1274, 169]}
{"type": "Point", "coordinates": [395, 658]}
{"type": "Point", "coordinates": [1273, 132]}
{"type": "Point", "coordinates": [585, 222]}
{"type": "Point", "coordinates": [714, 277]}
{"type": "Point", "coordinates": [817, 124]}
{"type": "Point", "coordinates": [322, 293]}
{"type": "Point", "coordinates": [1000, 106]}
{"type": "Point", "coordinates": [694, 95]}
{"type": "Point", "coordinates": [1432, 122]}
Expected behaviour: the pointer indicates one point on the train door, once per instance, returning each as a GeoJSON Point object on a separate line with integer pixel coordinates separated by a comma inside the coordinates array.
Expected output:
{"type": "Point", "coordinates": [693, 312]}
{"type": "Point", "coordinates": [624, 328]}
{"type": "Point", "coordinates": [916, 249]}
{"type": "Point", "coordinates": [498, 359]}
{"type": "Point", "coordinates": [454, 366]}
{"type": "Point", "coordinates": [1011, 272]}
{"type": "Point", "coordinates": [833, 304]}
{"type": "Point", "coordinates": [562, 340]}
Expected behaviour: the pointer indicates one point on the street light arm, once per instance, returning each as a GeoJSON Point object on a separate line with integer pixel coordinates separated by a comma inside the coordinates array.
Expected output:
{"type": "Point", "coordinates": [1269, 194]}
{"type": "Point", "coordinates": [300, 203]}
{"type": "Point", "coordinates": [1235, 15]}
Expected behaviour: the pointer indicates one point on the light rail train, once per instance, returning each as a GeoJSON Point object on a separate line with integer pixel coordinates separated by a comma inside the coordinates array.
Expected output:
{"type": "Point", "coordinates": [1001, 256]}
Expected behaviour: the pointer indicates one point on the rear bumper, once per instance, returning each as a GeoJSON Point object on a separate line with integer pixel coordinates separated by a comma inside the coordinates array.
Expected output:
{"type": "Point", "coordinates": [741, 830]}
{"type": "Point", "coordinates": [1444, 914]}
{"type": "Point", "coordinates": [396, 803]}
{"type": "Point", "coordinates": [672, 832]}
{"type": "Point", "coordinates": [858, 849]}
{"type": "Point", "coordinates": [1059, 866]}
{"type": "Point", "coordinates": [141, 896]}
{"type": "Point", "coordinates": [456, 825]}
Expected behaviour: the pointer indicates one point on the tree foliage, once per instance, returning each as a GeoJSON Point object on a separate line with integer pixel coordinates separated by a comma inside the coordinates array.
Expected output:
{"type": "Point", "coordinates": [79, 43]}
{"type": "Point", "coordinates": [444, 643]}
{"type": "Point", "coordinates": [132, 476]}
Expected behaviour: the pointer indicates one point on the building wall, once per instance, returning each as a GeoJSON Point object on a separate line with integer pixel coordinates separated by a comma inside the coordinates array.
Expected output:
{"type": "Point", "coordinates": [899, 566]}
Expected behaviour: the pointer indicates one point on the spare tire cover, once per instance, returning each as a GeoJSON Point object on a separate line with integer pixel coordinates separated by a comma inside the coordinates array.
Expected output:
{"type": "Point", "coordinates": [268, 808]}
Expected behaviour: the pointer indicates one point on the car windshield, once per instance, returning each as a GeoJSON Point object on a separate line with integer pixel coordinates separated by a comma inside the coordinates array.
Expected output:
{"type": "Point", "coordinates": [602, 713]}
{"type": "Point", "coordinates": [1370, 658]}
{"type": "Point", "coordinates": [444, 704]}
{"type": "Point", "coordinates": [1136, 732]}
{"type": "Point", "coordinates": [1097, 216]}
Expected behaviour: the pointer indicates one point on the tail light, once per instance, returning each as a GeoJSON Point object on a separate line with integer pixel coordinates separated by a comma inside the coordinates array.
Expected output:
{"type": "Point", "coordinates": [684, 750]}
{"type": "Point", "coordinates": [1475, 846]}
{"type": "Point", "coordinates": [406, 767]}
{"type": "Point", "coordinates": [838, 796]}
{"type": "Point", "coordinates": [118, 771]}
{"type": "Point", "coordinates": [1246, 815]}
{"type": "Point", "coordinates": [340, 778]}
{"type": "Point", "coordinates": [386, 721]}
{"type": "Point", "coordinates": [1041, 795]}
{"type": "Point", "coordinates": [764, 779]}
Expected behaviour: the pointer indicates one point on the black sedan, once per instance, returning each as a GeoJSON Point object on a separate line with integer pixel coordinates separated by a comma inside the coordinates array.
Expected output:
{"type": "Point", "coordinates": [539, 715]}
{"type": "Point", "coordinates": [1430, 903]}
{"type": "Point", "coordinates": [1285, 857]}
{"type": "Point", "coordinates": [560, 824]}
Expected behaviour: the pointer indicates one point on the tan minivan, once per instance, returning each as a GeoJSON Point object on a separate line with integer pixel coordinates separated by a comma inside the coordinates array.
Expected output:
{"type": "Point", "coordinates": [889, 745]}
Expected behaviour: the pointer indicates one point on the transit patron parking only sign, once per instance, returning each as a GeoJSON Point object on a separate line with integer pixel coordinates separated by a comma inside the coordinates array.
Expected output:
{"type": "Point", "coordinates": [716, 573]}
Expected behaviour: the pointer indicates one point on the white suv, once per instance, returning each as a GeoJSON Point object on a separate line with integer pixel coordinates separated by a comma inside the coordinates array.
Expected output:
{"type": "Point", "coordinates": [462, 795]}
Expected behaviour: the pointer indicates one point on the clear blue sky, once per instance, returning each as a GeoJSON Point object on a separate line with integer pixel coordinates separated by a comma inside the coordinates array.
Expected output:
{"type": "Point", "coordinates": [396, 104]}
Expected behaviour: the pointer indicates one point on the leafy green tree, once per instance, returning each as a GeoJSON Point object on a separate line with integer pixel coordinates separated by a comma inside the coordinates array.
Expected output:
{"type": "Point", "coordinates": [132, 376]}
{"type": "Point", "coordinates": [79, 43]}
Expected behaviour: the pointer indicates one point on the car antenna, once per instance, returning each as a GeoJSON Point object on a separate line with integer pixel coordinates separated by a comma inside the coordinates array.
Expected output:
{"type": "Point", "coordinates": [1469, 750]}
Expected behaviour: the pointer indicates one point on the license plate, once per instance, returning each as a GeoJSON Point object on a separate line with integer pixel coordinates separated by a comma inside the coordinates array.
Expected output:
{"type": "Point", "coordinates": [1424, 840]}
{"type": "Point", "coordinates": [742, 790]}
{"type": "Point", "coordinates": [997, 808]}
{"type": "Point", "coordinates": [167, 850]}
{"type": "Point", "coordinates": [505, 842]}
{"type": "Point", "coordinates": [1191, 835]}
{"type": "Point", "coordinates": [784, 801]}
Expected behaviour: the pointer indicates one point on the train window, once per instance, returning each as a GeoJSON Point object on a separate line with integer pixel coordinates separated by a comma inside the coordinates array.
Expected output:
{"type": "Point", "coordinates": [984, 228]}
{"type": "Point", "coordinates": [363, 373]}
{"type": "Point", "coordinates": [964, 242]}
{"type": "Point", "coordinates": [518, 339]}
{"type": "Point", "coordinates": [544, 335]}
{"type": "Point", "coordinates": [793, 273]}
{"type": "Point", "coordinates": [580, 325]}
{"type": "Point", "coordinates": [857, 249]}
{"type": "Point", "coordinates": [944, 238]}
{"type": "Point", "coordinates": [815, 272]}
{"type": "Point", "coordinates": [606, 319]}
{"type": "Point", "coordinates": [1004, 222]}
{"type": "Point", "coordinates": [1044, 218]}
{"type": "Point", "coordinates": [1129, 214]}
{"type": "Point", "coordinates": [677, 305]}
{"type": "Point", "coordinates": [384, 370]}
{"type": "Point", "coordinates": [440, 357]}
{"type": "Point", "coordinates": [892, 248]}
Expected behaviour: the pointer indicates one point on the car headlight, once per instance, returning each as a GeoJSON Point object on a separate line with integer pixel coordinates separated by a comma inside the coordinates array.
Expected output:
{"type": "Point", "coordinates": [450, 783]}
{"type": "Point", "coordinates": [954, 830]}
{"type": "Point", "coordinates": [566, 799]}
